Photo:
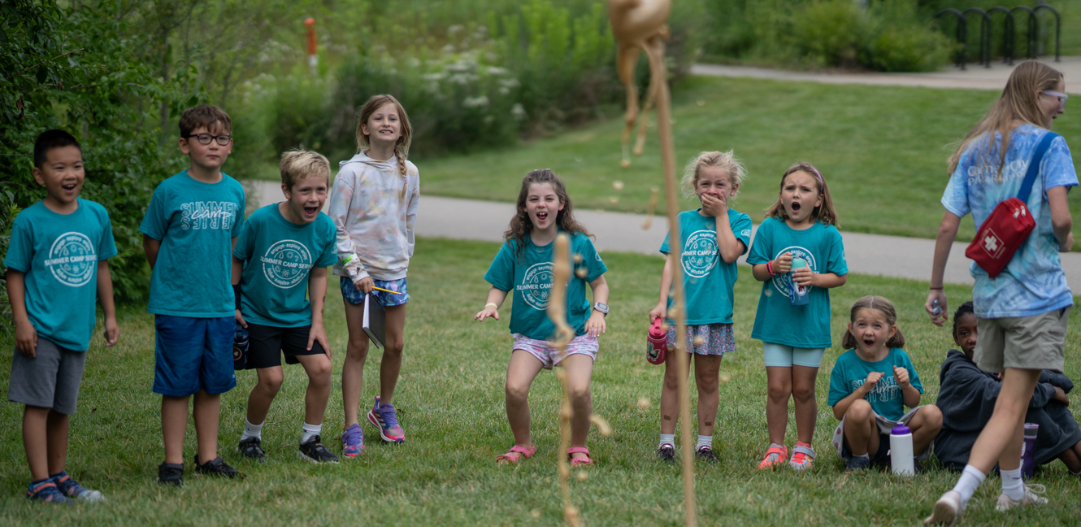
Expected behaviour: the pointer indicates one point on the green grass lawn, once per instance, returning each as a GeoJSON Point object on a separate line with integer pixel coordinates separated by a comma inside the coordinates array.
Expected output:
{"type": "Point", "coordinates": [450, 401]}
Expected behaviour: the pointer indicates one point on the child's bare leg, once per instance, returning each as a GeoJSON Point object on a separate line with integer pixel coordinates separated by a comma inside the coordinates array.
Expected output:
{"type": "Point", "coordinates": [861, 431]}
{"type": "Point", "coordinates": [579, 370]}
{"type": "Point", "coordinates": [266, 388]}
{"type": "Point", "coordinates": [1003, 435]}
{"type": "Point", "coordinates": [925, 425]}
{"type": "Point", "coordinates": [1072, 458]}
{"type": "Point", "coordinates": [57, 429]}
{"type": "Point", "coordinates": [356, 352]}
{"type": "Point", "coordinates": [318, 368]}
{"type": "Point", "coordinates": [174, 420]}
{"type": "Point", "coordinates": [670, 395]}
{"type": "Point", "coordinates": [521, 371]}
{"type": "Point", "coordinates": [803, 394]}
{"type": "Point", "coordinates": [207, 412]}
{"type": "Point", "coordinates": [779, 389]}
{"type": "Point", "coordinates": [706, 376]}
{"type": "Point", "coordinates": [391, 364]}
{"type": "Point", "coordinates": [35, 441]}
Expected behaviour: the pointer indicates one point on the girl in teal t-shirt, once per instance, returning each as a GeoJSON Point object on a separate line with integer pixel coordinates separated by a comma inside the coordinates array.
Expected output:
{"type": "Point", "coordinates": [524, 265]}
{"type": "Point", "coordinates": [707, 255]}
{"type": "Point", "coordinates": [870, 385]}
{"type": "Point", "coordinates": [801, 224]}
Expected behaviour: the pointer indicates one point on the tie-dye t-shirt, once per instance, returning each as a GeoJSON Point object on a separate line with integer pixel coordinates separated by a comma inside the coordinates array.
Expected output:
{"type": "Point", "coordinates": [1033, 281]}
{"type": "Point", "coordinates": [374, 218]}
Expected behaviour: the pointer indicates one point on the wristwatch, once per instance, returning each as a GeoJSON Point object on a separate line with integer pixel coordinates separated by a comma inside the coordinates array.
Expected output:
{"type": "Point", "coordinates": [603, 308]}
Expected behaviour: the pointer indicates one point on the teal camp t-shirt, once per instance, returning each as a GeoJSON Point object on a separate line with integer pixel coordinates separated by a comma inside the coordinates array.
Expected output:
{"type": "Point", "coordinates": [530, 277]}
{"type": "Point", "coordinates": [278, 256]}
{"type": "Point", "coordinates": [887, 400]}
{"type": "Point", "coordinates": [777, 321]}
{"type": "Point", "coordinates": [59, 254]}
{"type": "Point", "coordinates": [708, 280]}
{"type": "Point", "coordinates": [195, 223]}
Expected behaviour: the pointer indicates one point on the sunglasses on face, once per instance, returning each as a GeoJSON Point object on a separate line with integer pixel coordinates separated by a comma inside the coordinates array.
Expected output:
{"type": "Point", "coordinates": [223, 140]}
{"type": "Point", "coordinates": [1061, 97]}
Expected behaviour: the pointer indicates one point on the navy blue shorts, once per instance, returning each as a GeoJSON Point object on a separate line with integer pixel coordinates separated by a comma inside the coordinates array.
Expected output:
{"type": "Point", "coordinates": [193, 354]}
{"type": "Point", "coordinates": [353, 295]}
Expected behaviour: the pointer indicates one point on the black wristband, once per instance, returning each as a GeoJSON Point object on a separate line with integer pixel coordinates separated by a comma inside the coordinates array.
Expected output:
{"type": "Point", "coordinates": [236, 293]}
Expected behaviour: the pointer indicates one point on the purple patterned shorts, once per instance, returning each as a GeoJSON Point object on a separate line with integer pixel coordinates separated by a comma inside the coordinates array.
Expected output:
{"type": "Point", "coordinates": [715, 339]}
{"type": "Point", "coordinates": [545, 352]}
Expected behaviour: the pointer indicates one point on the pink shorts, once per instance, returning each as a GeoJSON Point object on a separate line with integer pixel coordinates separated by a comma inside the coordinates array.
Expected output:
{"type": "Point", "coordinates": [548, 355]}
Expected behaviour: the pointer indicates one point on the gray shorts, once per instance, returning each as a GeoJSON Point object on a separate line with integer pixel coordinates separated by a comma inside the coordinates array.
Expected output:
{"type": "Point", "coordinates": [49, 380]}
{"type": "Point", "coordinates": [1030, 343]}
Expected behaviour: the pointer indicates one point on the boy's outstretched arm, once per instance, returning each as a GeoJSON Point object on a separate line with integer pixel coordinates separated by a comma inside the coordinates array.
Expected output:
{"type": "Point", "coordinates": [491, 309]}
{"type": "Point", "coordinates": [105, 296]}
{"type": "Point", "coordinates": [151, 248]}
{"type": "Point", "coordinates": [26, 337]}
{"type": "Point", "coordinates": [317, 293]}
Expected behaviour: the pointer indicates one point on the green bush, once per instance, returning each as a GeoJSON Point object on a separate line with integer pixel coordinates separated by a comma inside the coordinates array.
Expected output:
{"type": "Point", "coordinates": [830, 32]}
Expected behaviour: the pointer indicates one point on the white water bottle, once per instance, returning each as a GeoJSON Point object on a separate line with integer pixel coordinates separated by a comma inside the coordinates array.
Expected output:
{"type": "Point", "coordinates": [901, 457]}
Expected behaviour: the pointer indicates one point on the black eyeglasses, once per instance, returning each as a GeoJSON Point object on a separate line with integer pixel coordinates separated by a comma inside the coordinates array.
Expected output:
{"type": "Point", "coordinates": [205, 139]}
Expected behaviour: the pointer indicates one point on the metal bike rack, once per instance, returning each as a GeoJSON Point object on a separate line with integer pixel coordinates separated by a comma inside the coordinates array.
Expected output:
{"type": "Point", "coordinates": [1030, 31]}
{"type": "Point", "coordinates": [1058, 26]}
{"type": "Point", "coordinates": [985, 34]}
{"type": "Point", "coordinates": [1007, 33]}
{"type": "Point", "coordinates": [962, 34]}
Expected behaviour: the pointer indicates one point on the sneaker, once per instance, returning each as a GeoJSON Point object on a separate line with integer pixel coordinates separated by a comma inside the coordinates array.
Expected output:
{"type": "Point", "coordinates": [249, 449]}
{"type": "Point", "coordinates": [857, 464]}
{"type": "Point", "coordinates": [803, 456]}
{"type": "Point", "coordinates": [74, 490]}
{"type": "Point", "coordinates": [1031, 497]}
{"type": "Point", "coordinates": [170, 474]}
{"type": "Point", "coordinates": [947, 509]}
{"type": "Point", "coordinates": [46, 492]}
{"type": "Point", "coordinates": [216, 467]}
{"type": "Point", "coordinates": [775, 456]}
{"type": "Point", "coordinates": [353, 441]}
{"type": "Point", "coordinates": [315, 452]}
{"type": "Point", "coordinates": [667, 453]}
{"type": "Point", "coordinates": [383, 416]}
{"type": "Point", "coordinates": [705, 453]}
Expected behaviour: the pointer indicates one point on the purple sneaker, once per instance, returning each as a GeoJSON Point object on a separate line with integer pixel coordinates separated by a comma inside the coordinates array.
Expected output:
{"type": "Point", "coordinates": [353, 441]}
{"type": "Point", "coordinates": [383, 416]}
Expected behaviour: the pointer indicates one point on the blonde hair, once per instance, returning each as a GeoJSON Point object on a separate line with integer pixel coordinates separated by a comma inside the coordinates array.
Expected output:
{"type": "Point", "coordinates": [303, 164]}
{"type": "Point", "coordinates": [401, 147]}
{"type": "Point", "coordinates": [1018, 102]}
{"type": "Point", "coordinates": [723, 160]}
{"type": "Point", "coordinates": [824, 213]}
{"type": "Point", "coordinates": [882, 305]}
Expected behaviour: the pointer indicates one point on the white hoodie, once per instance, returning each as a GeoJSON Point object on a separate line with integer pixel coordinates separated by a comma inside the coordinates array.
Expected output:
{"type": "Point", "coordinates": [373, 219]}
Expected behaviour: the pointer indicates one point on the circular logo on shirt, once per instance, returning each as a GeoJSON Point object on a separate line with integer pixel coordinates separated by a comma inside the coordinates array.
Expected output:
{"type": "Point", "coordinates": [286, 263]}
{"type": "Point", "coordinates": [536, 284]}
{"type": "Point", "coordinates": [699, 253]}
{"type": "Point", "coordinates": [72, 259]}
{"type": "Point", "coordinates": [782, 283]}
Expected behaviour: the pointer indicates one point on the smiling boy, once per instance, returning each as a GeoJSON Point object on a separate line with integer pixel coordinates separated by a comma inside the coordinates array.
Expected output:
{"type": "Point", "coordinates": [188, 231]}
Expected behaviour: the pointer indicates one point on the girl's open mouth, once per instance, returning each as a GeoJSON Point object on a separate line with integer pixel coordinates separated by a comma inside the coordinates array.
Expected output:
{"type": "Point", "coordinates": [542, 216]}
{"type": "Point", "coordinates": [795, 206]}
{"type": "Point", "coordinates": [869, 342]}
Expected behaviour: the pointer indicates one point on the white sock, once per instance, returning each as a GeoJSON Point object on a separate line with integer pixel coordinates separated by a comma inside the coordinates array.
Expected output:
{"type": "Point", "coordinates": [1012, 485]}
{"type": "Point", "coordinates": [310, 431]}
{"type": "Point", "coordinates": [668, 439]}
{"type": "Point", "coordinates": [968, 483]}
{"type": "Point", "coordinates": [864, 456]}
{"type": "Point", "coordinates": [704, 441]}
{"type": "Point", "coordinates": [251, 431]}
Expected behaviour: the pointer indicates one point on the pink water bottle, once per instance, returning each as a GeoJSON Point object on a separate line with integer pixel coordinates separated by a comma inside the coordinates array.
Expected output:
{"type": "Point", "coordinates": [657, 342]}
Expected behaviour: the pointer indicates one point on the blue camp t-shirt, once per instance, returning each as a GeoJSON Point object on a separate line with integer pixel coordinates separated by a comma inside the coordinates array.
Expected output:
{"type": "Point", "coordinates": [777, 321]}
{"type": "Point", "coordinates": [195, 223]}
{"type": "Point", "coordinates": [529, 275]}
{"type": "Point", "coordinates": [59, 254]}
{"type": "Point", "coordinates": [707, 279]}
{"type": "Point", "coordinates": [1033, 282]}
{"type": "Point", "coordinates": [278, 256]}
{"type": "Point", "coordinates": [886, 398]}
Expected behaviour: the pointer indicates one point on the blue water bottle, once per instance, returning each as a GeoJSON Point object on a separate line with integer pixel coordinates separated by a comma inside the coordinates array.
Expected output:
{"type": "Point", "coordinates": [799, 293]}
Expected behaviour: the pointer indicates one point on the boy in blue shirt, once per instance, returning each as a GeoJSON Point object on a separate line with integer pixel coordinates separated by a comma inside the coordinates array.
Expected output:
{"type": "Point", "coordinates": [57, 264]}
{"type": "Point", "coordinates": [188, 231]}
{"type": "Point", "coordinates": [282, 253]}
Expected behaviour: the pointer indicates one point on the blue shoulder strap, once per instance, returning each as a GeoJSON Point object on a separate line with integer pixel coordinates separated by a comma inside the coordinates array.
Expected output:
{"type": "Point", "coordinates": [1034, 165]}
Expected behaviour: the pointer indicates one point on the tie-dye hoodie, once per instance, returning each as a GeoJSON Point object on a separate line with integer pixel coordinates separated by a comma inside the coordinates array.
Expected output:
{"type": "Point", "coordinates": [373, 218]}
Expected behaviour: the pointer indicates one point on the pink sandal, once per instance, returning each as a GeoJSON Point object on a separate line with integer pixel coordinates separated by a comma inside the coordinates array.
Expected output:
{"type": "Point", "coordinates": [575, 461]}
{"type": "Point", "coordinates": [515, 454]}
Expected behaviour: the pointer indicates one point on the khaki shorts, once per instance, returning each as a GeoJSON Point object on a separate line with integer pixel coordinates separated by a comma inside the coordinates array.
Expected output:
{"type": "Point", "coordinates": [1030, 343]}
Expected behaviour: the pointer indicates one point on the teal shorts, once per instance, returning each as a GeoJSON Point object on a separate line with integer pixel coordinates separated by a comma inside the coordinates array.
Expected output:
{"type": "Point", "coordinates": [786, 356]}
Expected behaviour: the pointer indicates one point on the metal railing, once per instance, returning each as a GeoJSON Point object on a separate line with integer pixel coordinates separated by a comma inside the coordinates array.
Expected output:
{"type": "Point", "coordinates": [1009, 31]}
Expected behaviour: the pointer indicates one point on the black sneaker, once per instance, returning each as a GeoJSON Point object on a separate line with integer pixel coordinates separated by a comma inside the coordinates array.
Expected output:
{"type": "Point", "coordinates": [315, 452]}
{"type": "Point", "coordinates": [249, 449]}
{"type": "Point", "coordinates": [216, 467]}
{"type": "Point", "coordinates": [706, 454]}
{"type": "Point", "coordinates": [170, 474]}
{"type": "Point", "coordinates": [857, 464]}
{"type": "Point", "coordinates": [667, 453]}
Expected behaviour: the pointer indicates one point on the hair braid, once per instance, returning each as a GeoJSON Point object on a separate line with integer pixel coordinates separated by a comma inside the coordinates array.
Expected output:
{"type": "Point", "coordinates": [402, 169]}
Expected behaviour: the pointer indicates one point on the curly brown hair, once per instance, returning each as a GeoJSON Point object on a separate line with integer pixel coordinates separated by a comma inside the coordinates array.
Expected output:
{"type": "Point", "coordinates": [520, 224]}
{"type": "Point", "coordinates": [824, 214]}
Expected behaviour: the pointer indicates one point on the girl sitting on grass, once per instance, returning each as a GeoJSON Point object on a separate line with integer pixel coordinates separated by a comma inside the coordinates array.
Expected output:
{"type": "Point", "coordinates": [524, 264]}
{"type": "Point", "coordinates": [709, 249]}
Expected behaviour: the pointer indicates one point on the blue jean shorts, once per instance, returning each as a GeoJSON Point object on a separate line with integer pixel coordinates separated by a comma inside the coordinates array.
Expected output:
{"type": "Point", "coordinates": [353, 295]}
{"type": "Point", "coordinates": [193, 354]}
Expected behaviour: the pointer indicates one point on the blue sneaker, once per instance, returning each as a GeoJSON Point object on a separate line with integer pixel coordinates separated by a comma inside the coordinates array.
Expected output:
{"type": "Point", "coordinates": [46, 492]}
{"type": "Point", "coordinates": [353, 441]}
{"type": "Point", "coordinates": [74, 490]}
{"type": "Point", "coordinates": [383, 416]}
